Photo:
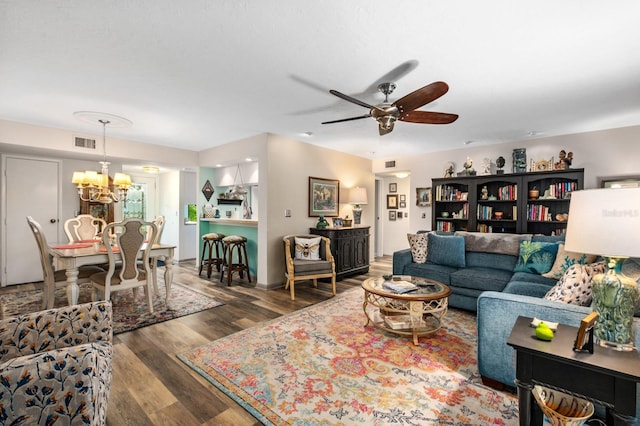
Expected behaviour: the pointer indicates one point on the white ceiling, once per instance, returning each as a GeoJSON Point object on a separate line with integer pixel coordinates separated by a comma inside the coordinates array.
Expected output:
{"type": "Point", "coordinates": [198, 73]}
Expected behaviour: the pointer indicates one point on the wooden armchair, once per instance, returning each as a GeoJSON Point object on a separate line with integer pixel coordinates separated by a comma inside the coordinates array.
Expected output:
{"type": "Point", "coordinates": [305, 266]}
{"type": "Point", "coordinates": [55, 366]}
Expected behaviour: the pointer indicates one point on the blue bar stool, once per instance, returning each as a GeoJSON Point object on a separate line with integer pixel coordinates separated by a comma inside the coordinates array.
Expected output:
{"type": "Point", "coordinates": [211, 241]}
{"type": "Point", "coordinates": [230, 244]}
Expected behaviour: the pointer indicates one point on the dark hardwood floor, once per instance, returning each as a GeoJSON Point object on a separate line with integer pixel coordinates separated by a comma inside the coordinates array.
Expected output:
{"type": "Point", "coordinates": [151, 386]}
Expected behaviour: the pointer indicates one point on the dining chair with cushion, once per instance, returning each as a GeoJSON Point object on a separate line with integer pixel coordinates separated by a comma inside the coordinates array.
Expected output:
{"type": "Point", "coordinates": [308, 257]}
{"type": "Point", "coordinates": [51, 278]}
{"type": "Point", "coordinates": [125, 271]}
{"type": "Point", "coordinates": [83, 227]}
{"type": "Point", "coordinates": [159, 260]}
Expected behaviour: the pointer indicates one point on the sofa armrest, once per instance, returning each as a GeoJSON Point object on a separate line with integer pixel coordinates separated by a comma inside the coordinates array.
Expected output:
{"type": "Point", "coordinates": [497, 314]}
{"type": "Point", "coordinates": [69, 386]}
{"type": "Point", "coordinates": [401, 258]}
{"type": "Point", "coordinates": [55, 329]}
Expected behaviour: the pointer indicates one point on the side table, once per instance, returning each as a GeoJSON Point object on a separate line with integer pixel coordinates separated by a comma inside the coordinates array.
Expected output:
{"type": "Point", "coordinates": [606, 377]}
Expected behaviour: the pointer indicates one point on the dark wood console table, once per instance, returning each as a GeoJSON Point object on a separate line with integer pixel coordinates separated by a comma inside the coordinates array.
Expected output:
{"type": "Point", "coordinates": [606, 377]}
{"type": "Point", "coordinates": [350, 248]}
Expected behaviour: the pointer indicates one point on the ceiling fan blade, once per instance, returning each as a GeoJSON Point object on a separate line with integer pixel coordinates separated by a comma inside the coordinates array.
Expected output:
{"type": "Point", "coordinates": [347, 119]}
{"type": "Point", "coordinates": [428, 117]}
{"type": "Point", "coordinates": [385, 129]}
{"type": "Point", "coordinates": [350, 99]}
{"type": "Point", "coordinates": [422, 96]}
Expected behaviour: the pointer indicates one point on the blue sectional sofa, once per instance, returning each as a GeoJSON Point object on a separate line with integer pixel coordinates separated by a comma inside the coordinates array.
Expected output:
{"type": "Point", "coordinates": [489, 261]}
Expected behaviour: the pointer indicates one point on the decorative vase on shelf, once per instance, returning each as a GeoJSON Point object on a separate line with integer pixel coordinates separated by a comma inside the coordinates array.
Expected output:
{"type": "Point", "coordinates": [208, 211]}
{"type": "Point", "coordinates": [217, 214]}
{"type": "Point", "coordinates": [322, 223]}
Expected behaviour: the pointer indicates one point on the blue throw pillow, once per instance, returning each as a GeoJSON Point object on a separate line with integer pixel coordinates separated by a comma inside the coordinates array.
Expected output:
{"type": "Point", "coordinates": [536, 257]}
{"type": "Point", "coordinates": [446, 250]}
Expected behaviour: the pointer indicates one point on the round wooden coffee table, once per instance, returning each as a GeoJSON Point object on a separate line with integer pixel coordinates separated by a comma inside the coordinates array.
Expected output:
{"type": "Point", "coordinates": [414, 313]}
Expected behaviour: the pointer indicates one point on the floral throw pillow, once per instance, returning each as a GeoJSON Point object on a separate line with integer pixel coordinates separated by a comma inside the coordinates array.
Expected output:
{"type": "Point", "coordinates": [565, 259]}
{"type": "Point", "coordinates": [536, 257]}
{"type": "Point", "coordinates": [418, 244]}
{"type": "Point", "coordinates": [575, 285]}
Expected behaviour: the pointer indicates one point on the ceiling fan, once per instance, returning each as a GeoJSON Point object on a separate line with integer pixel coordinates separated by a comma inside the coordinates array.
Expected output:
{"type": "Point", "coordinates": [404, 109]}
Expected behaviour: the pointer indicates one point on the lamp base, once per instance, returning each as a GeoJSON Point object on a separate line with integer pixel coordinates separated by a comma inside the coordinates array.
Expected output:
{"type": "Point", "coordinates": [357, 215]}
{"type": "Point", "coordinates": [614, 297]}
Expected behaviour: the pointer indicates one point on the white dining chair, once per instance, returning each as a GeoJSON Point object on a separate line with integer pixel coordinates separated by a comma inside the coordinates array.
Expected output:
{"type": "Point", "coordinates": [53, 279]}
{"type": "Point", "coordinates": [83, 227]}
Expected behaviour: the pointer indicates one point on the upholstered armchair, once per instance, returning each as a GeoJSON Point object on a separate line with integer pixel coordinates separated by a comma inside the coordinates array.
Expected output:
{"type": "Point", "coordinates": [55, 366]}
{"type": "Point", "coordinates": [311, 262]}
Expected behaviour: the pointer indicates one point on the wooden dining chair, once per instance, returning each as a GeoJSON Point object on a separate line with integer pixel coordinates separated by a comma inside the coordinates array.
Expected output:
{"type": "Point", "coordinates": [158, 260]}
{"type": "Point", "coordinates": [51, 278]}
{"type": "Point", "coordinates": [126, 272]}
{"type": "Point", "coordinates": [84, 227]}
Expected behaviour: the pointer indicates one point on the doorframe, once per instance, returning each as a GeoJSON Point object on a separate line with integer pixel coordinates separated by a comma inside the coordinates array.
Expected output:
{"type": "Point", "coordinates": [3, 205]}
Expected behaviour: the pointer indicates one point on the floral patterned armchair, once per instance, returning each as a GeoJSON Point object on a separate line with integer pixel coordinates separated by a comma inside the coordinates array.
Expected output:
{"type": "Point", "coordinates": [55, 365]}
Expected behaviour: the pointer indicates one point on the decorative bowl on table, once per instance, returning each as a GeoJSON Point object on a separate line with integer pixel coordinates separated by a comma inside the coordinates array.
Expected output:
{"type": "Point", "coordinates": [498, 215]}
{"type": "Point", "coordinates": [560, 408]}
{"type": "Point", "coordinates": [387, 277]}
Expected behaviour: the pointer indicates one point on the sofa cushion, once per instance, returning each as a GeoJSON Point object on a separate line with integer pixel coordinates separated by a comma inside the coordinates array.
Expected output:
{"type": "Point", "coordinates": [418, 244]}
{"type": "Point", "coordinates": [533, 278]}
{"type": "Point", "coordinates": [481, 278]}
{"type": "Point", "coordinates": [536, 257]}
{"type": "Point", "coordinates": [308, 248]}
{"type": "Point", "coordinates": [432, 271]}
{"type": "Point", "coordinates": [565, 259]}
{"type": "Point", "coordinates": [493, 243]}
{"type": "Point", "coordinates": [575, 285]}
{"type": "Point", "coordinates": [446, 250]}
{"type": "Point", "coordinates": [525, 288]}
{"type": "Point", "coordinates": [504, 262]}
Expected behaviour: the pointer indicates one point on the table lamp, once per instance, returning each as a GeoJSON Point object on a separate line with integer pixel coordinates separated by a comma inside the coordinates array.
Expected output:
{"type": "Point", "coordinates": [606, 222]}
{"type": "Point", "coordinates": [357, 196]}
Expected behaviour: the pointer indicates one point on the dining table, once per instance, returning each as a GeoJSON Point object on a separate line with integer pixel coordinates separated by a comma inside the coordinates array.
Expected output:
{"type": "Point", "coordinates": [72, 256]}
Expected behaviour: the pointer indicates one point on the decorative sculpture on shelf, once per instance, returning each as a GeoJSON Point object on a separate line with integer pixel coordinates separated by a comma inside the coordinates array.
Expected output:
{"type": "Point", "coordinates": [322, 223]}
{"type": "Point", "coordinates": [564, 160]}
{"type": "Point", "coordinates": [500, 161]}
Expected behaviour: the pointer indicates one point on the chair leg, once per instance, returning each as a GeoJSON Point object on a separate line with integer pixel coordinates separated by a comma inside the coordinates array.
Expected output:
{"type": "Point", "coordinates": [333, 284]}
{"type": "Point", "coordinates": [147, 292]}
{"type": "Point", "coordinates": [293, 292]}
{"type": "Point", "coordinates": [246, 260]}
{"type": "Point", "coordinates": [154, 273]}
{"type": "Point", "coordinates": [230, 266]}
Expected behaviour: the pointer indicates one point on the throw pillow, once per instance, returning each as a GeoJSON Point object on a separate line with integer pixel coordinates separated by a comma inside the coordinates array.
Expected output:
{"type": "Point", "coordinates": [418, 244]}
{"type": "Point", "coordinates": [446, 250]}
{"type": "Point", "coordinates": [565, 259]}
{"type": "Point", "coordinates": [308, 248]}
{"type": "Point", "coordinates": [575, 285]}
{"type": "Point", "coordinates": [536, 257]}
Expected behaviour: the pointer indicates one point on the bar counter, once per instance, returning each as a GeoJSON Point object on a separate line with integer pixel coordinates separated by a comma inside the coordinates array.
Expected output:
{"type": "Point", "coordinates": [244, 227]}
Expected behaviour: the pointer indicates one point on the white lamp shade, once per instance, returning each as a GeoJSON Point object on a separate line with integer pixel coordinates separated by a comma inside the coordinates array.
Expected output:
{"type": "Point", "coordinates": [78, 178]}
{"type": "Point", "coordinates": [357, 195]}
{"type": "Point", "coordinates": [604, 222]}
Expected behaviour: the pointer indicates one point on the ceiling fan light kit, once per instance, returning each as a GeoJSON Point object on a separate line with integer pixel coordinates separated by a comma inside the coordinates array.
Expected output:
{"type": "Point", "coordinates": [404, 109]}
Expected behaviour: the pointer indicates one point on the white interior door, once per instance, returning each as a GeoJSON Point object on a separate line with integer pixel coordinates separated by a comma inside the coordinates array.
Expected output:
{"type": "Point", "coordinates": [31, 188]}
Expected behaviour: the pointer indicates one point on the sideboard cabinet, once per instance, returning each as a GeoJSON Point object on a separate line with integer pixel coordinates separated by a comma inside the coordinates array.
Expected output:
{"type": "Point", "coordinates": [350, 248]}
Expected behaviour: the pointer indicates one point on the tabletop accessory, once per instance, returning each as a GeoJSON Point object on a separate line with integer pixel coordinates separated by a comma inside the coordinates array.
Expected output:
{"type": "Point", "coordinates": [607, 222]}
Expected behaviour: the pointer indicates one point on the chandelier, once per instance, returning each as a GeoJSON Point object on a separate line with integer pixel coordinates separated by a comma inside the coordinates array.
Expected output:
{"type": "Point", "coordinates": [94, 186]}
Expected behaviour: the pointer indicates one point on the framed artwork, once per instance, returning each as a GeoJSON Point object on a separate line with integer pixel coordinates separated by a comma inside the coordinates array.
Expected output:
{"type": "Point", "coordinates": [620, 182]}
{"type": "Point", "coordinates": [392, 201]}
{"type": "Point", "coordinates": [393, 187]}
{"type": "Point", "coordinates": [403, 204]}
{"type": "Point", "coordinates": [324, 197]}
{"type": "Point", "coordinates": [423, 197]}
{"type": "Point", "coordinates": [400, 215]}
{"type": "Point", "coordinates": [392, 215]}
{"type": "Point", "coordinates": [403, 197]}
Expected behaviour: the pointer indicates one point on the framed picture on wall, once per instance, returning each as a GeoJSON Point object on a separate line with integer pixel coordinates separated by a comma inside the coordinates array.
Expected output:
{"type": "Point", "coordinates": [392, 215]}
{"type": "Point", "coordinates": [423, 197]}
{"type": "Point", "coordinates": [324, 197]}
{"type": "Point", "coordinates": [392, 201]}
{"type": "Point", "coordinates": [403, 197]}
{"type": "Point", "coordinates": [393, 187]}
{"type": "Point", "coordinates": [403, 204]}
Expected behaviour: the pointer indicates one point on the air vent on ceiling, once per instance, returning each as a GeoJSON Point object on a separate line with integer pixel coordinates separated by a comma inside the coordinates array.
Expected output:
{"type": "Point", "coordinates": [85, 143]}
{"type": "Point", "coordinates": [388, 164]}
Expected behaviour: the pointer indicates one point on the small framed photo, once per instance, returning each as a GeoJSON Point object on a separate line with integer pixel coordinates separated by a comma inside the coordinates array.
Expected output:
{"type": "Point", "coordinates": [392, 215]}
{"type": "Point", "coordinates": [392, 201]}
{"type": "Point", "coordinates": [400, 215]}
{"type": "Point", "coordinates": [584, 338]}
{"type": "Point", "coordinates": [393, 187]}
{"type": "Point", "coordinates": [423, 197]}
{"type": "Point", "coordinates": [403, 197]}
{"type": "Point", "coordinates": [403, 204]}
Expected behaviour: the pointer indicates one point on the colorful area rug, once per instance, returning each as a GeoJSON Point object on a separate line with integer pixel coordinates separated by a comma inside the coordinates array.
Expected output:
{"type": "Point", "coordinates": [320, 366]}
{"type": "Point", "coordinates": [127, 314]}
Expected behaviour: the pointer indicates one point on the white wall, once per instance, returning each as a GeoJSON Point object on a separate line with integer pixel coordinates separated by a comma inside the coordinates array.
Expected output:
{"type": "Point", "coordinates": [169, 207]}
{"type": "Point", "coordinates": [188, 233]}
{"type": "Point", "coordinates": [395, 231]}
{"type": "Point", "coordinates": [604, 153]}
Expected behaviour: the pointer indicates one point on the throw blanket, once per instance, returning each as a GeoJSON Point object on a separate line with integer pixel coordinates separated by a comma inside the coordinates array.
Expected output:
{"type": "Point", "coordinates": [493, 243]}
